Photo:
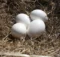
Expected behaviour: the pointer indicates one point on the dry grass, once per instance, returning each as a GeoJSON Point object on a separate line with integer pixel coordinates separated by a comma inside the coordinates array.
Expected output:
{"type": "Point", "coordinates": [46, 44]}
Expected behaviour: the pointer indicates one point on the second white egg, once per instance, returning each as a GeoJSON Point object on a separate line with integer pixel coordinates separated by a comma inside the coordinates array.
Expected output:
{"type": "Point", "coordinates": [24, 18]}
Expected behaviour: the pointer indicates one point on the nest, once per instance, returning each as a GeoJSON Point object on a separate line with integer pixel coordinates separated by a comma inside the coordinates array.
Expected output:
{"type": "Point", "coordinates": [46, 44]}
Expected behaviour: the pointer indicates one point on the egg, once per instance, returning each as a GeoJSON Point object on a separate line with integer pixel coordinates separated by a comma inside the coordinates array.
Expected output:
{"type": "Point", "coordinates": [18, 30]}
{"type": "Point", "coordinates": [36, 28]}
{"type": "Point", "coordinates": [23, 18]}
{"type": "Point", "coordinates": [38, 14]}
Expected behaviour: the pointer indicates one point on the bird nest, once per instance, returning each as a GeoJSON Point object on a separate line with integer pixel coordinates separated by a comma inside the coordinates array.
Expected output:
{"type": "Point", "coordinates": [46, 44]}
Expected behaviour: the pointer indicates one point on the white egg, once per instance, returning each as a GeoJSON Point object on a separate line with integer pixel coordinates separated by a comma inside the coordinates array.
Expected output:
{"type": "Point", "coordinates": [36, 28]}
{"type": "Point", "coordinates": [18, 30]}
{"type": "Point", "coordinates": [24, 18]}
{"type": "Point", "coordinates": [38, 14]}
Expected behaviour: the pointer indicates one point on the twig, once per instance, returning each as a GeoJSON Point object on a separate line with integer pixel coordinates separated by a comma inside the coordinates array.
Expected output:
{"type": "Point", "coordinates": [14, 54]}
{"type": "Point", "coordinates": [22, 55]}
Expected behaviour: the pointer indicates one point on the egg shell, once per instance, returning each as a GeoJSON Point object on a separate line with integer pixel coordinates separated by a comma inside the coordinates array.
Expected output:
{"type": "Point", "coordinates": [38, 14]}
{"type": "Point", "coordinates": [18, 30]}
{"type": "Point", "coordinates": [36, 28]}
{"type": "Point", "coordinates": [24, 18]}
